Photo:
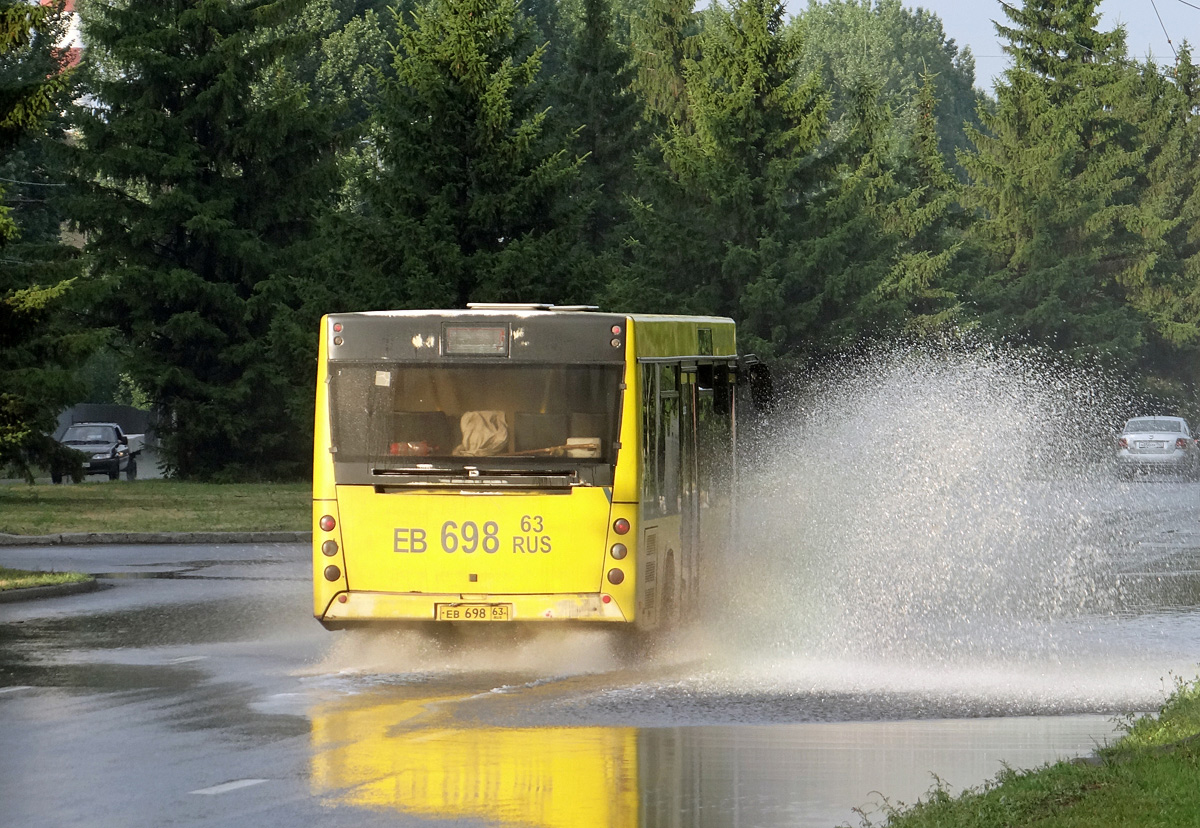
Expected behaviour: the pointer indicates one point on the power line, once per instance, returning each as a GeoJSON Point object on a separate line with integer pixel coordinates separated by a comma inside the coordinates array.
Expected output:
{"type": "Point", "coordinates": [1166, 34]}
{"type": "Point", "coordinates": [30, 183]}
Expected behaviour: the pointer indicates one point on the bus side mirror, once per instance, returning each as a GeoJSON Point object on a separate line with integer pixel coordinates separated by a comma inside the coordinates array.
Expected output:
{"type": "Point", "coordinates": [758, 376]}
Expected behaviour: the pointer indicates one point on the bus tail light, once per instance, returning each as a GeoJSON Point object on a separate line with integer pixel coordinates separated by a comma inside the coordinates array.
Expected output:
{"type": "Point", "coordinates": [621, 526]}
{"type": "Point", "coordinates": [615, 576]}
{"type": "Point", "coordinates": [619, 551]}
{"type": "Point", "coordinates": [329, 548]}
{"type": "Point", "coordinates": [332, 573]}
{"type": "Point", "coordinates": [327, 523]}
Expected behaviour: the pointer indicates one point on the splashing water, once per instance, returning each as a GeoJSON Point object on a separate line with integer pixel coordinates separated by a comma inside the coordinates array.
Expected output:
{"type": "Point", "coordinates": [940, 506]}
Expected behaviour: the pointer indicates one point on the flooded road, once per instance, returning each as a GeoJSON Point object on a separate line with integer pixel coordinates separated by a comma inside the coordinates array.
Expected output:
{"type": "Point", "coordinates": [933, 576]}
{"type": "Point", "coordinates": [196, 690]}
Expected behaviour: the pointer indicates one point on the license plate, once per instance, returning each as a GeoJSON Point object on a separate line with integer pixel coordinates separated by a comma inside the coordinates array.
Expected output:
{"type": "Point", "coordinates": [1155, 444]}
{"type": "Point", "coordinates": [473, 612]}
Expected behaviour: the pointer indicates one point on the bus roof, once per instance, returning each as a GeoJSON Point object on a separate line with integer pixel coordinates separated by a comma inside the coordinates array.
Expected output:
{"type": "Point", "coordinates": [654, 336]}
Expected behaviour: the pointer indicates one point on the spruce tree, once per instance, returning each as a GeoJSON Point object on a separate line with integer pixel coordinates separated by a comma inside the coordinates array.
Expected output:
{"type": "Point", "coordinates": [39, 343]}
{"type": "Point", "coordinates": [467, 200]}
{"type": "Point", "coordinates": [1177, 313]}
{"type": "Point", "coordinates": [597, 97]}
{"type": "Point", "coordinates": [1167, 290]}
{"type": "Point", "coordinates": [929, 225]}
{"type": "Point", "coordinates": [725, 204]}
{"type": "Point", "coordinates": [1054, 177]}
{"type": "Point", "coordinates": [203, 176]}
{"type": "Point", "coordinates": [845, 244]}
{"type": "Point", "coordinates": [891, 45]}
{"type": "Point", "coordinates": [664, 38]}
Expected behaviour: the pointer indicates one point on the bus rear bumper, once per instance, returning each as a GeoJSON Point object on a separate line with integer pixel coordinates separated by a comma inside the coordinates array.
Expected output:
{"type": "Point", "coordinates": [357, 607]}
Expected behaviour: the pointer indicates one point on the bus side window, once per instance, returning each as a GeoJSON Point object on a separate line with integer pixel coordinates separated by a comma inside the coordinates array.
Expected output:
{"type": "Point", "coordinates": [714, 438]}
{"type": "Point", "coordinates": [668, 443]}
{"type": "Point", "coordinates": [650, 425]}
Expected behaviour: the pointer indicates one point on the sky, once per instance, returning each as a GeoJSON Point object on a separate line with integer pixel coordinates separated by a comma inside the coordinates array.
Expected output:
{"type": "Point", "coordinates": [969, 23]}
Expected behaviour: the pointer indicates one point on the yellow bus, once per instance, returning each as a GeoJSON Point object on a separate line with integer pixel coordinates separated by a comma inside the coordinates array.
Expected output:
{"type": "Point", "coordinates": [520, 463]}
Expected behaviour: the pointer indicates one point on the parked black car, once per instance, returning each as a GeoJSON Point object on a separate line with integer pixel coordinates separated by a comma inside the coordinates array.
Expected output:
{"type": "Point", "coordinates": [105, 447]}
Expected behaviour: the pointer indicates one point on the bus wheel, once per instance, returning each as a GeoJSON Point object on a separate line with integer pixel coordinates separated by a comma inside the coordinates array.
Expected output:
{"type": "Point", "coordinates": [631, 644]}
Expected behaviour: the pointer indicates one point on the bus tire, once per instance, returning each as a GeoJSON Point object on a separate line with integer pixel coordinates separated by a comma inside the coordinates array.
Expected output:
{"type": "Point", "coordinates": [631, 643]}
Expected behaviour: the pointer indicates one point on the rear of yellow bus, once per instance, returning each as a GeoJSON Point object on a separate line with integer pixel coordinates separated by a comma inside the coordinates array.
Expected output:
{"type": "Point", "coordinates": [468, 467]}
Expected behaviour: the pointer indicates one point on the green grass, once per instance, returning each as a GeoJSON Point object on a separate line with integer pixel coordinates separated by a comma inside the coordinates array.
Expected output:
{"type": "Point", "coordinates": [22, 579]}
{"type": "Point", "coordinates": [1150, 777]}
{"type": "Point", "coordinates": [154, 506]}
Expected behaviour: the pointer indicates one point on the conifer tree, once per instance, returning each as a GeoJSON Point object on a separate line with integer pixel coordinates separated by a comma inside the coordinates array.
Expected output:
{"type": "Point", "coordinates": [1180, 323]}
{"type": "Point", "coordinates": [926, 220]}
{"type": "Point", "coordinates": [735, 175]}
{"type": "Point", "coordinates": [1167, 112]}
{"type": "Point", "coordinates": [664, 38]}
{"type": "Point", "coordinates": [845, 244]}
{"type": "Point", "coordinates": [1167, 290]}
{"type": "Point", "coordinates": [467, 200]}
{"type": "Point", "coordinates": [890, 44]}
{"type": "Point", "coordinates": [596, 98]}
{"type": "Point", "coordinates": [597, 95]}
{"type": "Point", "coordinates": [1055, 178]}
{"type": "Point", "coordinates": [38, 343]}
{"type": "Point", "coordinates": [203, 175]}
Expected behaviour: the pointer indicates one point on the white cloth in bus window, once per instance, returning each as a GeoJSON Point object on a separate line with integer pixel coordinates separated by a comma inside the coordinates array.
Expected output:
{"type": "Point", "coordinates": [483, 433]}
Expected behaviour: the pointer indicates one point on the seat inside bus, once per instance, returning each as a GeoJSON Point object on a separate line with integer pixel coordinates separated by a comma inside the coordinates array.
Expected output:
{"type": "Point", "coordinates": [484, 433]}
{"type": "Point", "coordinates": [538, 431]}
{"type": "Point", "coordinates": [429, 428]}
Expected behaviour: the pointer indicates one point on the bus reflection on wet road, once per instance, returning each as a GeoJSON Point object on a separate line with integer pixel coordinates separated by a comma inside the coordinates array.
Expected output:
{"type": "Point", "coordinates": [410, 757]}
{"type": "Point", "coordinates": [373, 752]}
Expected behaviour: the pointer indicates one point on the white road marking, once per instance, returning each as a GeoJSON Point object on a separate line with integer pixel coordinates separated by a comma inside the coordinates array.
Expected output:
{"type": "Point", "coordinates": [229, 786]}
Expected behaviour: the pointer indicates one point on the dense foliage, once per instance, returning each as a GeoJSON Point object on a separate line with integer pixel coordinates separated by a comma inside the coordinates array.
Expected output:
{"type": "Point", "coordinates": [38, 339]}
{"type": "Point", "coordinates": [833, 179]}
{"type": "Point", "coordinates": [200, 176]}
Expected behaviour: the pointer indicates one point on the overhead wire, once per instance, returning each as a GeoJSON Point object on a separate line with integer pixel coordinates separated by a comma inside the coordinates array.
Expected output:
{"type": "Point", "coordinates": [1166, 34]}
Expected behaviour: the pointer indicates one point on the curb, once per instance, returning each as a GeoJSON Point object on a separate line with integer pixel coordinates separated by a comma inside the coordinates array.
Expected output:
{"type": "Point", "coordinates": [10, 596]}
{"type": "Point", "coordinates": [87, 538]}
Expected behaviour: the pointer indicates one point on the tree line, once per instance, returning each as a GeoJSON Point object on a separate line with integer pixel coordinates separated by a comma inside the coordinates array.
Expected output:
{"type": "Point", "coordinates": [183, 203]}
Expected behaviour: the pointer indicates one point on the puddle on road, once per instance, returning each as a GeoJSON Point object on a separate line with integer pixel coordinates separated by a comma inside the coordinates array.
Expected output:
{"type": "Point", "coordinates": [409, 756]}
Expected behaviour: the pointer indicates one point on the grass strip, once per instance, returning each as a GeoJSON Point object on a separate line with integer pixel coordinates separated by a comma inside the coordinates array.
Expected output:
{"type": "Point", "coordinates": [23, 579]}
{"type": "Point", "coordinates": [155, 506]}
{"type": "Point", "coordinates": [1147, 778]}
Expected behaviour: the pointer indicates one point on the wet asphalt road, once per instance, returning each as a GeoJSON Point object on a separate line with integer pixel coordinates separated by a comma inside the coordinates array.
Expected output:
{"type": "Point", "coordinates": [195, 689]}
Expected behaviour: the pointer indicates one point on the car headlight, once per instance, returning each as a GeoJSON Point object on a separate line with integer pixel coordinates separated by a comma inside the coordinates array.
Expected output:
{"type": "Point", "coordinates": [104, 455]}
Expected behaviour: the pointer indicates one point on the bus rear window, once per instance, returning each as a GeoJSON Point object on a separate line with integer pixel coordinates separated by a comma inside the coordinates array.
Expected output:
{"type": "Point", "coordinates": [390, 415]}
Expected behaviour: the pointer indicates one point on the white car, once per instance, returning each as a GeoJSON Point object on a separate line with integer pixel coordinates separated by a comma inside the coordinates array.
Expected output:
{"type": "Point", "coordinates": [1157, 443]}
